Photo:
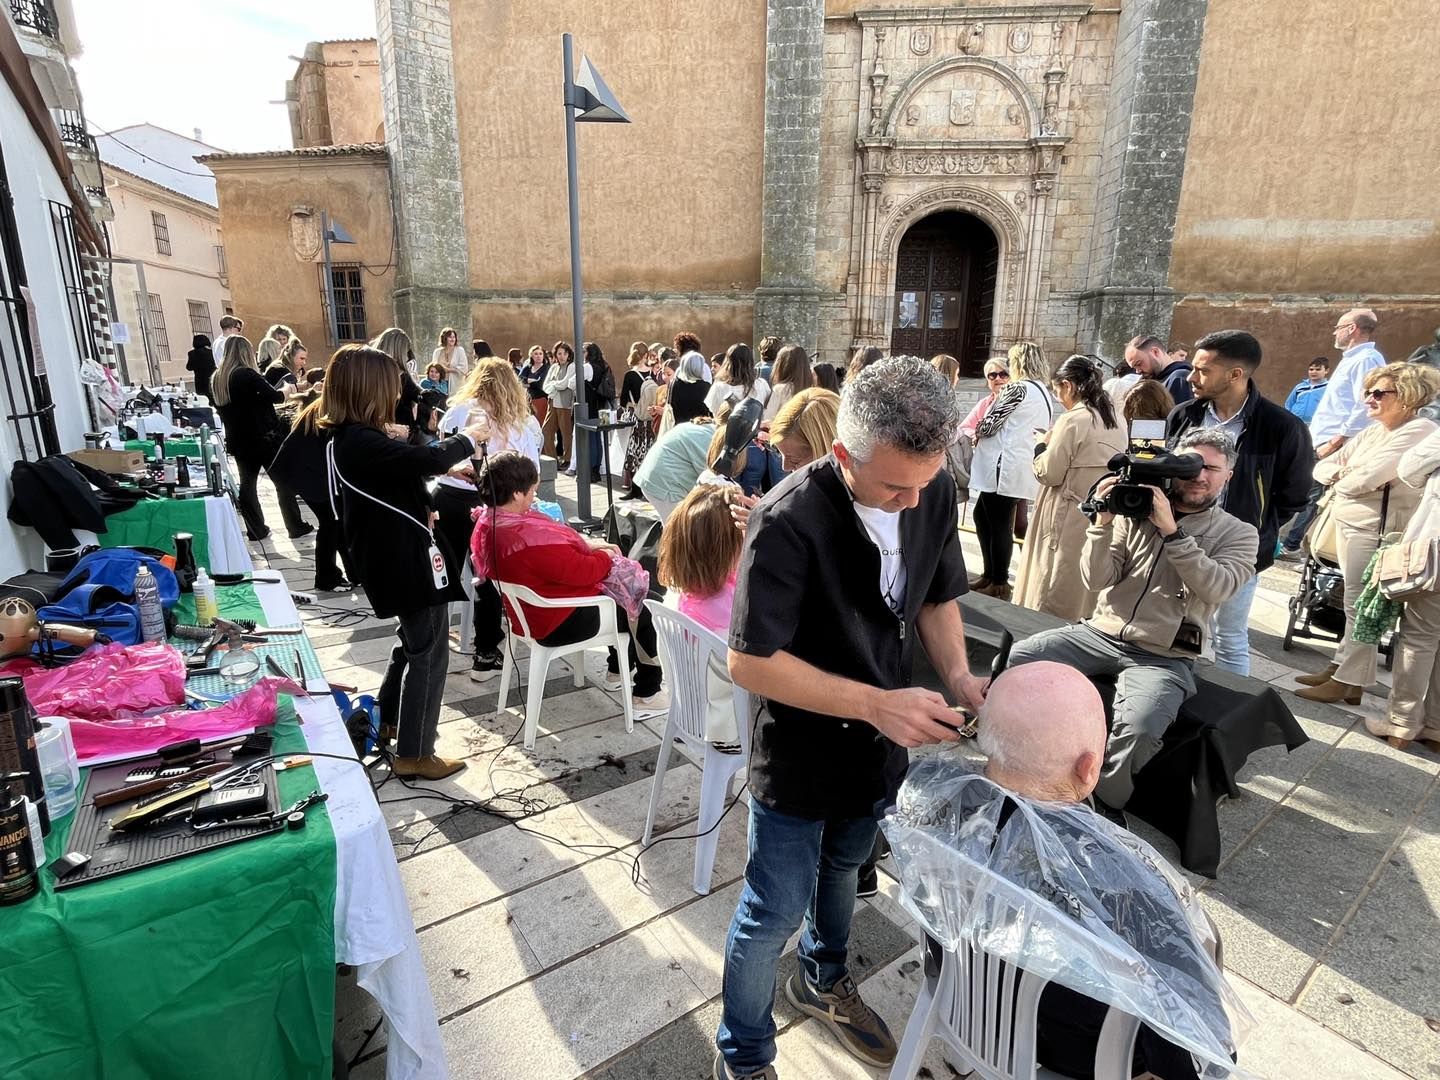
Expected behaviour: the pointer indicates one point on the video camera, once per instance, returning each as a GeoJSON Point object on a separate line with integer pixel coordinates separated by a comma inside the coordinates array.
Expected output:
{"type": "Point", "coordinates": [1147, 464]}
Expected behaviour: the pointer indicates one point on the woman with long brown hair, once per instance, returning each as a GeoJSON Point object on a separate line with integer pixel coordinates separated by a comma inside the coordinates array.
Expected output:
{"type": "Point", "coordinates": [492, 390]}
{"type": "Point", "coordinates": [792, 373]}
{"type": "Point", "coordinates": [378, 487]}
{"type": "Point", "coordinates": [253, 433]}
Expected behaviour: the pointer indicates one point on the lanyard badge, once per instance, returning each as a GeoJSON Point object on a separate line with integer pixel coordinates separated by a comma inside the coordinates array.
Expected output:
{"type": "Point", "coordinates": [437, 567]}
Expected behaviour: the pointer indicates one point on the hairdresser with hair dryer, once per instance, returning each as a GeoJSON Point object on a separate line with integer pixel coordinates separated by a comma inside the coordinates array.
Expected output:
{"type": "Point", "coordinates": [378, 490]}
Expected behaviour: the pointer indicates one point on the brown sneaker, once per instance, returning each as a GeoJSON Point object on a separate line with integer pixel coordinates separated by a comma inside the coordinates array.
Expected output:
{"type": "Point", "coordinates": [426, 768]}
{"type": "Point", "coordinates": [854, 1023]}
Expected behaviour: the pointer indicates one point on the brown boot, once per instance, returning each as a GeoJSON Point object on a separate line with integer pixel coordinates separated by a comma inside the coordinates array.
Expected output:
{"type": "Point", "coordinates": [1332, 693]}
{"type": "Point", "coordinates": [1320, 678]}
{"type": "Point", "coordinates": [429, 767]}
{"type": "Point", "coordinates": [980, 584]}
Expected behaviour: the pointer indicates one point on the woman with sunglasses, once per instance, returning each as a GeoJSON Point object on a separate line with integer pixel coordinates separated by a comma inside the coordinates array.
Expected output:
{"type": "Point", "coordinates": [997, 377]}
{"type": "Point", "coordinates": [1367, 502]}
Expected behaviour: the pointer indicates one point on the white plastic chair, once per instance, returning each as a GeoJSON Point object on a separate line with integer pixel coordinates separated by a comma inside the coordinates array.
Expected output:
{"type": "Point", "coordinates": [467, 609]}
{"type": "Point", "coordinates": [687, 648]}
{"type": "Point", "coordinates": [986, 1010]}
{"type": "Point", "coordinates": [541, 655]}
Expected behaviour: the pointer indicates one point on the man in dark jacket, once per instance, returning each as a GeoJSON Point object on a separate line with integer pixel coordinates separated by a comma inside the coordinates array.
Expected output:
{"type": "Point", "coordinates": [1272, 474]}
{"type": "Point", "coordinates": [1147, 357]}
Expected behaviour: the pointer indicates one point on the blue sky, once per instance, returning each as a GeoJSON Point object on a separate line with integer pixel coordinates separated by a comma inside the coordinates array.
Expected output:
{"type": "Point", "coordinates": [210, 64]}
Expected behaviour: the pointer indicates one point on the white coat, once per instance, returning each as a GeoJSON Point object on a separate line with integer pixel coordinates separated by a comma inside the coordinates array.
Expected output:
{"type": "Point", "coordinates": [1004, 461]}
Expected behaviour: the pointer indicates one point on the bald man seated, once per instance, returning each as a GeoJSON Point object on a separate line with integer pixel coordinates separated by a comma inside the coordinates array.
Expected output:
{"type": "Point", "coordinates": [1042, 730]}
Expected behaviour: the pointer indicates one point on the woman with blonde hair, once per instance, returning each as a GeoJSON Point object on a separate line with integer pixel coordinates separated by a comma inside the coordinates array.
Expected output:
{"type": "Point", "coordinates": [253, 434]}
{"type": "Point", "coordinates": [997, 377]}
{"type": "Point", "coordinates": [792, 373]}
{"type": "Point", "coordinates": [804, 430]}
{"type": "Point", "coordinates": [946, 365]}
{"type": "Point", "coordinates": [492, 391]}
{"type": "Point", "coordinates": [1077, 452]}
{"type": "Point", "coordinates": [1001, 471]}
{"type": "Point", "coordinates": [395, 343]}
{"type": "Point", "coordinates": [451, 353]}
{"type": "Point", "coordinates": [632, 385]}
{"type": "Point", "coordinates": [379, 488]}
{"type": "Point", "coordinates": [1368, 501]}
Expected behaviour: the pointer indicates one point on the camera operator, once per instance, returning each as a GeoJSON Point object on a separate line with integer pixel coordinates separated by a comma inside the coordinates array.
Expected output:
{"type": "Point", "coordinates": [1160, 579]}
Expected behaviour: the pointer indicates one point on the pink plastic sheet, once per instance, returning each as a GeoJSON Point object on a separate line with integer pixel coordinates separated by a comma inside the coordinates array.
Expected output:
{"type": "Point", "coordinates": [143, 734]}
{"type": "Point", "coordinates": [108, 680]}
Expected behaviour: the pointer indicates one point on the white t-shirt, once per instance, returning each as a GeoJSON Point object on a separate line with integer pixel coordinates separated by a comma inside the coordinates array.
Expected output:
{"type": "Point", "coordinates": [883, 528]}
{"type": "Point", "coordinates": [525, 439]}
{"type": "Point", "coordinates": [721, 392]}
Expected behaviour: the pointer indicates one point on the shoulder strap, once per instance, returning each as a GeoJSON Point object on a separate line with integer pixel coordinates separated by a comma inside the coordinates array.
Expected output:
{"type": "Point", "coordinates": [1049, 409]}
{"type": "Point", "coordinates": [1384, 507]}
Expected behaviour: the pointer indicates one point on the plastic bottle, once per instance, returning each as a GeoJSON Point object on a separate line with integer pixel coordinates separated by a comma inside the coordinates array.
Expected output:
{"type": "Point", "coordinates": [147, 599]}
{"type": "Point", "coordinates": [206, 608]}
{"type": "Point", "coordinates": [185, 561]}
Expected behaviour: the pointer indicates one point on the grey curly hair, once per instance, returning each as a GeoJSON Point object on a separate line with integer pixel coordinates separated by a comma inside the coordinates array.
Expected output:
{"type": "Point", "coordinates": [1216, 439]}
{"type": "Point", "coordinates": [902, 402]}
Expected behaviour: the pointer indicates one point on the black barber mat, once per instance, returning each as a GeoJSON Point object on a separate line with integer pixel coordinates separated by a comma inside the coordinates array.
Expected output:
{"type": "Point", "coordinates": [1228, 718]}
{"type": "Point", "coordinates": [114, 852]}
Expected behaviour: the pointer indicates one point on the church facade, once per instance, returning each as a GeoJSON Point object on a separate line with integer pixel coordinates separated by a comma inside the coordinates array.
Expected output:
{"type": "Point", "coordinates": [923, 177]}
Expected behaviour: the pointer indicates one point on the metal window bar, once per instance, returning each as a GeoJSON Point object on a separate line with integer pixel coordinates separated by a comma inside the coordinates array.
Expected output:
{"type": "Point", "coordinates": [73, 133]}
{"type": "Point", "coordinates": [162, 231]}
{"type": "Point", "coordinates": [27, 404]}
{"type": "Point", "coordinates": [200, 317]}
{"type": "Point", "coordinates": [348, 282]}
{"type": "Point", "coordinates": [159, 335]}
{"type": "Point", "coordinates": [220, 264]}
{"type": "Point", "coordinates": [37, 15]}
{"type": "Point", "coordinates": [72, 273]}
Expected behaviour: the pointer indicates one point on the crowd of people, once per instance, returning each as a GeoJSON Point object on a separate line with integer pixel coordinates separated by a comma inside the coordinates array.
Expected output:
{"type": "Point", "coordinates": [825, 544]}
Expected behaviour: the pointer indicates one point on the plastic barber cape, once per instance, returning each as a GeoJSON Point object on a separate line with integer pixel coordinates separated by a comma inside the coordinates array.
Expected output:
{"type": "Point", "coordinates": [1061, 892]}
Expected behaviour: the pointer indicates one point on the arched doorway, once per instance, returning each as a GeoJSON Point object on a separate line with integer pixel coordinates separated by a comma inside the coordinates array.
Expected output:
{"type": "Point", "coordinates": [945, 271]}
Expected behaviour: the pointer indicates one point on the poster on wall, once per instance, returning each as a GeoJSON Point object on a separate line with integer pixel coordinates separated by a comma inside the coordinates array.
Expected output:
{"type": "Point", "coordinates": [120, 333]}
{"type": "Point", "coordinates": [36, 350]}
{"type": "Point", "coordinates": [907, 314]}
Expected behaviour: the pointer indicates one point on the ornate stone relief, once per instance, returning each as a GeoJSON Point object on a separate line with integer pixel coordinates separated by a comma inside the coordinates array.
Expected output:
{"type": "Point", "coordinates": [922, 38]}
{"type": "Point", "coordinates": [972, 39]}
{"type": "Point", "coordinates": [999, 214]}
{"type": "Point", "coordinates": [1015, 115]}
{"type": "Point", "coordinates": [912, 114]}
{"type": "Point", "coordinates": [1019, 200]}
{"type": "Point", "coordinates": [1019, 39]}
{"type": "Point", "coordinates": [962, 107]}
{"type": "Point", "coordinates": [304, 232]}
{"type": "Point", "coordinates": [957, 163]}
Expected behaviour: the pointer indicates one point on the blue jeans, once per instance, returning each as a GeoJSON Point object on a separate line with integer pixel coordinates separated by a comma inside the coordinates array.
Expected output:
{"type": "Point", "coordinates": [1291, 540]}
{"type": "Point", "coordinates": [798, 871]}
{"type": "Point", "coordinates": [1232, 630]}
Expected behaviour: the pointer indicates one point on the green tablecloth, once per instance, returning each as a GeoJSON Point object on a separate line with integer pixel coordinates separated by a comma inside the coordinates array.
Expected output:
{"type": "Point", "coordinates": [217, 965]}
{"type": "Point", "coordinates": [154, 523]}
{"type": "Point", "coordinates": [173, 447]}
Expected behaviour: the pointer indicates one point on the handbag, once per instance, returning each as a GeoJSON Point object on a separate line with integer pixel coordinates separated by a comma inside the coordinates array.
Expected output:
{"type": "Point", "coordinates": [1409, 569]}
{"type": "Point", "coordinates": [1322, 540]}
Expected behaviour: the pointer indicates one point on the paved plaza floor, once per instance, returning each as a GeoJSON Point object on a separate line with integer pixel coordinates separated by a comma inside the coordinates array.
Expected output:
{"type": "Point", "coordinates": [548, 960]}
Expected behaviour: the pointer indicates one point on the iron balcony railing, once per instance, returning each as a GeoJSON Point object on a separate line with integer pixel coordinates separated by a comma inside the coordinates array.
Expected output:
{"type": "Point", "coordinates": [72, 128]}
{"type": "Point", "coordinates": [37, 15]}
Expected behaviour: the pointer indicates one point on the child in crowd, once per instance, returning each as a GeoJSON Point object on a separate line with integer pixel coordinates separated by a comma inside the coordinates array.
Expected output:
{"type": "Point", "coordinates": [699, 556]}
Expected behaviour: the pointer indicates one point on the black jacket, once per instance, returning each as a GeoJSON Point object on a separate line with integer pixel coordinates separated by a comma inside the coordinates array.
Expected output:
{"type": "Point", "coordinates": [253, 432]}
{"type": "Point", "coordinates": [390, 545]}
{"type": "Point", "coordinates": [809, 584]}
{"type": "Point", "coordinates": [201, 360]}
{"type": "Point", "coordinates": [1272, 475]}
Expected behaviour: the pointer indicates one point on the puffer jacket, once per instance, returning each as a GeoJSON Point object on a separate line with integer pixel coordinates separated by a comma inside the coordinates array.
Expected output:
{"type": "Point", "coordinates": [1148, 587]}
{"type": "Point", "coordinates": [1273, 473]}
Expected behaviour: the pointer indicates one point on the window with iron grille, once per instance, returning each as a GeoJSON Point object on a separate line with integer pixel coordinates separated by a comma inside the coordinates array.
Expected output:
{"type": "Point", "coordinates": [159, 336]}
{"type": "Point", "coordinates": [200, 318]}
{"type": "Point", "coordinates": [347, 280]}
{"type": "Point", "coordinates": [72, 273]}
{"type": "Point", "coordinates": [220, 266]}
{"type": "Point", "coordinates": [162, 232]}
{"type": "Point", "coordinates": [27, 404]}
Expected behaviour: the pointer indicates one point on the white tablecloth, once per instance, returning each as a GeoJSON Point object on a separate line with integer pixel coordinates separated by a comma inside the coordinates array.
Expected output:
{"type": "Point", "coordinates": [374, 931]}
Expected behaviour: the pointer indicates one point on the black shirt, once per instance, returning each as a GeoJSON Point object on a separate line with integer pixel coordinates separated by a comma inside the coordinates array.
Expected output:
{"type": "Point", "coordinates": [809, 585]}
{"type": "Point", "coordinates": [253, 431]}
{"type": "Point", "coordinates": [687, 399]}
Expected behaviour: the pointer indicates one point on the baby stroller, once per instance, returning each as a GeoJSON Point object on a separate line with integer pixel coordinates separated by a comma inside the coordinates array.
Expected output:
{"type": "Point", "coordinates": [1317, 610]}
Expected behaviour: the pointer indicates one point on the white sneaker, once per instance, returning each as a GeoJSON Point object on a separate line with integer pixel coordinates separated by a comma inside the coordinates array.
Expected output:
{"type": "Point", "coordinates": [611, 681]}
{"type": "Point", "coordinates": [657, 702]}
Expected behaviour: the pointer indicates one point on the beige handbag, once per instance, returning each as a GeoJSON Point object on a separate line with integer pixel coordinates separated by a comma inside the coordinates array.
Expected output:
{"type": "Point", "coordinates": [1409, 568]}
{"type": "Point", "coordinates": [1322, 540]}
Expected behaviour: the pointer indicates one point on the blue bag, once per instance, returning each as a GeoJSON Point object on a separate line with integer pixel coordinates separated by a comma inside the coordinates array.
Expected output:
{"type": "Point", "coordinates": [117, 567]}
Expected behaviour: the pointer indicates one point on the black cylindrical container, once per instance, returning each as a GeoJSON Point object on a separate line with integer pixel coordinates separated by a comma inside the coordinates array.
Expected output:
{"type": "Point", "coordinates": [183, 472]}
{"type": "Point", "coordinates": [17, 748]}
{"type": "Point", "coordinates": [61, 560]}
{"type": "Point", "coordinates": [185, 569]}
{"type": "Point", "coordinates": [18, 879]}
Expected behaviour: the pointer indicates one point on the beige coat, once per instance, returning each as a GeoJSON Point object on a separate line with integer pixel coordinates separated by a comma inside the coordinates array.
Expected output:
{"type": "Point", "coordinates": [1365, 467]}
{"type": "Point", "coordinates": [1074, 458]}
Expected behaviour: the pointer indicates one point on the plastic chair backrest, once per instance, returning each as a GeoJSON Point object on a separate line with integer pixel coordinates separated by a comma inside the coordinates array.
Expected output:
{"type": "Point", "coordinates": [689, 650]}
{"type": "Point", "coordinates": [515, 594]}
{"type": "Point", "coordinates": [993, 1007]}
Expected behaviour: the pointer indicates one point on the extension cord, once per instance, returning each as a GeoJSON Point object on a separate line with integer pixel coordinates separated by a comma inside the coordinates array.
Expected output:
{"type": "Point", "coordinates": [302, 598]}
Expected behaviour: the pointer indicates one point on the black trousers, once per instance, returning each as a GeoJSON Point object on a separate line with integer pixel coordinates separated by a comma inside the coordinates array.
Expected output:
{"type": "Point", "coordinates": [995, 530]}
{"type": "Point", "coordinates": [330, 551]}
{"type": "Point", "coordinates": [414, 680]}
{"type": "Point", "coordinates": [453, 505]}
{"type": "Point", "coordinates": [584, 622]}
{"type": "Point", "coordinates": [249, 501]}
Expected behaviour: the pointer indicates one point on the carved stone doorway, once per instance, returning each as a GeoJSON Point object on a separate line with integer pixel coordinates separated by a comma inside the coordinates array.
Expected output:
{"type": "Point", "coordinates": [945, 271]}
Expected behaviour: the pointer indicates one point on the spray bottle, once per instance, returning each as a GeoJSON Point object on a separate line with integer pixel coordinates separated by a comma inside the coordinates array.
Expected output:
{"type": "Point", "coordinates": [147, 599]}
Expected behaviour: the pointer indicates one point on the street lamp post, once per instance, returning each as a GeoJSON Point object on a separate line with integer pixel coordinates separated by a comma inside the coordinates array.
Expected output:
{"type": "Point", "coordinates": [587, 99]}
{"type": "Point", "coordinates": [331, 232]}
